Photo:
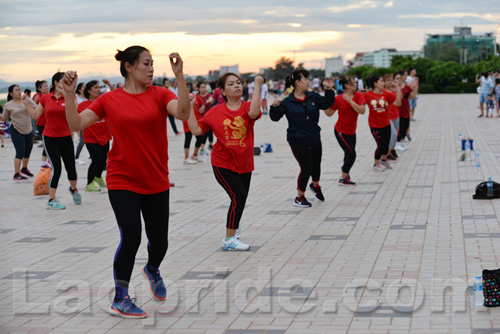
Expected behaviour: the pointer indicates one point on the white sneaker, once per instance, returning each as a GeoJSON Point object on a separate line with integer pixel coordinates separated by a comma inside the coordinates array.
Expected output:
{"type": "Point", "coordinates": [379, 168]}
{"type": "Point", "coordinates": [386, 164]}
{"type": "Point", "coordinates": [399, 147]}
{"type": "Point", "coordinates": [403, 145]}
{"type": "Point", "coordinates": [189, 161]}
{"type": "Point", "coordinates": [198, 158]}
{"type": "Point", "coordinates": [80, 162]}
{"type": "Point", "coordinates": [234, 244]}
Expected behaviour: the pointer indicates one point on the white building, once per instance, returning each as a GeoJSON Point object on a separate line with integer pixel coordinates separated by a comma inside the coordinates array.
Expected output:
{"type": "Point", "coordinates": [383, 58]}
{"type": "Point", "coordinates": [358, 59]}
{"type": "Point", "coordinates": [232, 69]}
{"type": "Point", "coordinates": [334, 65]}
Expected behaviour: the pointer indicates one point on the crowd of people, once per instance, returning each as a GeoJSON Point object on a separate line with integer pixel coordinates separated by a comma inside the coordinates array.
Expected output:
{"type": "Point", "coordinates": [221, 116]}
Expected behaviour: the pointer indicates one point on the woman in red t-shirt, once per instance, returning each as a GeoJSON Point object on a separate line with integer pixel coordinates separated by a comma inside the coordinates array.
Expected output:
{"type": "Point", "coordinates": [137, 169]}
{"type": "Point", "coordinates": [199, 108]}
{"type": "Point", "coordinates": [96, 138]}
{"type": "Point", "coordinates": [208, 100]}
{"type": "Point", "coordinates": [42, 88]}
{"type": "Point", "coordinates": [378, 119]}
{"type": "Point", "coordinates": [393, 109]}
{"type": "Point", "coordinates": [408, 92]}
{"type": "Point", "coordinates": [57, 140]}
{"type": "Point", "coordinates": [232, 157]}
{"type": "Point", "coordinates": [350, 104]}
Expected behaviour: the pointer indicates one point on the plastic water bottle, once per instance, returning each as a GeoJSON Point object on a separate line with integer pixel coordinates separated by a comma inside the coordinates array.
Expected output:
{"type": "Point", "coordinates": [489, 187]}
{"type": "Point", "coordinates": [205, 156]}
{"type": "Point", "coordinates": [477, 154]}
{"type": "Point", "coordinates": [467, 150]}
{"type": "Point", "coordinates": [460, 137]}
{"type": "Point", "coordinates": [478, 166]}
{"type": "Point", "coordinates": [478, 291]}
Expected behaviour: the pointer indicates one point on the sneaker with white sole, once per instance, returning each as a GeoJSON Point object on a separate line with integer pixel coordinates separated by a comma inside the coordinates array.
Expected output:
{"type": "Point", "coordinates": [92, 187]}
{"type": "Point", "coordinates": [234, 244]}
{"type": "Point", "coordinates": [189, 161]}
{"type": "Point", "coordinates": [379, 168]}
{"type": "Point", "coordinates": [77, 198]}
{"type": "Point", "coordinates": [100, 182]}
{"type": "Point", "coordinates": [197, 158]}
{"type": "Point", "coordinates": [55, 205]}
{"type": "Point", "coordinates": [301, 202]}
{"type": "Point", "coordinates": [126, 308]}
{"type": "Point", "coordinates": [399, 147]}
{"type": "Point", "coordinates": [80, 162]}
{"type": "Point", "coordinates": [317, 192]}
{"type": "Point", "coordinates": [386, 164]}
{"type": "Point", "coordinates": [238, 233]}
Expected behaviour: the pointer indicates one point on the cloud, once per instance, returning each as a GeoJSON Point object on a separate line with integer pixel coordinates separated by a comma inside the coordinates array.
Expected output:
{"type": "Point", "coordinates": [493, 17]}
{"type": "Point", "coordinates": [362, 4]}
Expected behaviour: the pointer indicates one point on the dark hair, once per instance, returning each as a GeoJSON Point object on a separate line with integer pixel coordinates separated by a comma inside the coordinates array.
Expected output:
{"type": "Point", "coordinates": [401, 73]}
{"type": "Point", "coordinates": [370, 81]}
{"type": "Point", "coordinates": [164, 79]}
{"type": "Point", "coordinates": [39, 84]}
{"type": "Point", "coordinates": [79, 86]}
{"type": "Point", "coordinates": [221, 83]}
{"type": "Point", "coordinates": [56, 77]}
{"type": "Point", "coordinates": [11, 89]}
{"type": "Point", "coordinates": [411, 68]}
{"type": "Point", "coordinates": [486, 74]}
{"type": "Point", "coordinates": [345, 80]}
{"type": "Point", "coordinates": [497, 81]}
{"type": "Point", "coordinates": [129, 55]}
{"type": "Point", "coordinates": [295, 75]}
{"type": "Point", "coordinates": [27, 91]}
{"type": "Point", "coordinates": [88, 87]}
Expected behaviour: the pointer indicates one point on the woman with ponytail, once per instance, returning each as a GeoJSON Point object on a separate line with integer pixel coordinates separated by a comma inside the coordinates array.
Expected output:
{"type": "Point", "coordinates": [137, 169]}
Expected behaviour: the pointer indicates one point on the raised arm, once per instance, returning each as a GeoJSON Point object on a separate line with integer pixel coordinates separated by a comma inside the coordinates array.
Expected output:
{"type": "Point", "coordinates": [414, 92]}
{"type": "Point", "coordinates": [76, 121]}
{"type": "Point", "coordinates": [255, 104]}
{"type": "Point", "coordinates": [359, 108]}
{"type": "Point", "coordinates": [34, 112]}
{"type": "Point", "coordinates": [277, 110]}
{"type": "Point", "coordinates": [192, 121]}
{"type": "Point", "coordinates": [327, 101]}
{"type": "Point", "coordinates": [179, 108]}
{"type": "Point", "coordinates": [109, 84]}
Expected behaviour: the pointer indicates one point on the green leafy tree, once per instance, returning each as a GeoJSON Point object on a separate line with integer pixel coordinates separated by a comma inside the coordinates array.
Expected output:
{"type": "Point", "coordinates": [443, 52]}
{"type": "Point", "coordinates": [282, 68]}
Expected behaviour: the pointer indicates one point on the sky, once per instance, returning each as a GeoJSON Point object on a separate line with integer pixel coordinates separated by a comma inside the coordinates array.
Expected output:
{"type": "Point", "coordinates": [38, 38]}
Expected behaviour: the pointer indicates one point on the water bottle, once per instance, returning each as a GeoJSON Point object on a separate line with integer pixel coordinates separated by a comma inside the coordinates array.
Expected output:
{"type": "Point", "coordinates": [489, 187]}
{"type": "Point", "coordinates": [460, 137]}
{"type": "Point", "coordinates": [478, 291]}
{"type": "Point", "coordinates": [478, 167]}
{"type": "Point", "coordinates": [205, 156]}
{"type": "Point", "coordinates": [467, 150]}
{"type": "Point", "coordinates": [477, 154]}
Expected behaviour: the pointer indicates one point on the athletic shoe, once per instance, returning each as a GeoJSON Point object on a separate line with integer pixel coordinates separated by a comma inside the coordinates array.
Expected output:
{"type": "Point", "coordinates": [179, 133]}
{"type": "Point", "coordinates": [210, 147]}
{"type": "Point", "coordinates": [317, 192]}
{"type": "Point", "coordinates": [55, 205]}
{"type": "Point", "coordinates": [238, 233]}
{"type": "Point", "coordinates": [480, 116]}
{"type": "Point", "coordinates": [403, 145]}
{"type": "Point", "coordinates": [197, 158]}
{"type": "Point", "coordinates": [400, 147]}
{"type": "Point", "coordinates": [80, 162]}
{"type": "Point", "coordinates": [386, 164]}
{"type": "Point", "coordinates": [234, 244]}
{"type": "Point", "coordinates": [346, 181]}
{"type": "Point", "coordinates": [77, 198]}
{"type": "Point", "coordinates": [156, 285]}
{"type": "Point", "coordinates": [408, 136]}
{"type": "Point", "coordinates": [379, 168]}
{"type": "Point", "coordinates": [301, 202]}
{"type": "Point", "coordinates": [394, 154]}
{"type": "Point", "coordinates": [391, 157]}
{"type": "Point", "coordinates": [46, 166]}
{"type": "Point", "coordinates": [19, 177]}
{"type": "Point", "coordinates": [92, 187]}
{"type": "Point", "coordinates": [100, 182]}
{"type": "Point", "coordinates": [26, 172]}
{"type": "Point", "coordinates": [126, 308]}
{"type": "Point", "coordinates": [189, 161]}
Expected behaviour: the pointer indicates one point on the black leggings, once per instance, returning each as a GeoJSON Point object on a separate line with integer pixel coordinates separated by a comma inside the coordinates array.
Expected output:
{"type": "Point", "coordinates": [404, 124]}
{"type": "Point", "coordinates": [128, 206]}
{"type": "Point", "coordinates": [22, 143]}
{"type": "Point", "coordinates": [309, 159]}
{"type": "Point", "coordinates": [210, 135]}
{"type": "Point", "coordinates": [80, 145]}
{"type": "Point", "coordinates": [187, 140]}
{"type": "Point", "coordinates": [348, 144]}
{"type": "Point", "coordinates": [57, 148]}
{"type": "Point", "coordinates": [382, 137]}
{"type": "Point", "coordinates": [171, 118]}
{"type": "Point", "coordinates": [237, 187]}
{"type": "Point", "coordinates": [98, 154]}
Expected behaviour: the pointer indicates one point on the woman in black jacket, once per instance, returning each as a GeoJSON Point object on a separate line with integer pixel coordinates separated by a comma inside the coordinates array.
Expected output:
{"type": "Point", "coordinates": [301, 108]}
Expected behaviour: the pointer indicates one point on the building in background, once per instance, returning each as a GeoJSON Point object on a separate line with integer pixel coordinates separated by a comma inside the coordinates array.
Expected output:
{"type": "Point", "coordinates": [334, 66]}
{"type": "Point", "coordinates": [383, 58]}
{"type": "Point", "coordinates": [359, 59]}
{"type": "Point", "coordinates": [468, 47]}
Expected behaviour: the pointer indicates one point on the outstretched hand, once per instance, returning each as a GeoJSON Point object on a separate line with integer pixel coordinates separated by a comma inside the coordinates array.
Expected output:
{"type": "Point", "coordinates": [69, 82]}
{"type": "Point", "coordinates": [176, 63]}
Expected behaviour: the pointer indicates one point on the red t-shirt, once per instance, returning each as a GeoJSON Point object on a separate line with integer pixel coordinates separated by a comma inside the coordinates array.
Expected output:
{"type": "Point", "coordinates": [392, 109]}
{"type": "Point", "coordinates": [138, 160]}
{"type": "Point", "coordinates": [41, 120]}
{"type": "Point", "coordinates": [97, 133]}
{"type": "Point", "coordinates": [235, 136]}
{"type": "Point", "coordinates": [55, 114]}
{"type": "Point", "coordinates": [378, 104]}
{"type": "Point", "coordinates": [348, 117]}
{"type": "Point", "coordinates": [197, 105]}
{"type": "Point", "coordinates": [404, 109]}
{"type": "Point", "coordinates": [207, 105]}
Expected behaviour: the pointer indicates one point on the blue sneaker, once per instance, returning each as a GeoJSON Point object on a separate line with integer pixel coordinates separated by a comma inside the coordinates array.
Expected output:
{"type": "Point", "coordinates": [127, 309]}
{"type": "Point", "coordinates": [156, 285]}
{"type": "Point", "coordinates": [77, 198]}
{"type": "Point", "coordinates": [55, 205]}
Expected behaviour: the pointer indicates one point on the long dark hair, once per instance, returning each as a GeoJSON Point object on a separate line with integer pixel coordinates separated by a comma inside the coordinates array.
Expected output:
{"type": "Point", "coordinates": [11, 90]}
{"type": "Point", "coordinates": [370, 81]}
{"type": "Point", "coordinates": [38, 85]}
{"type": "Point", "coordinates": [56, 77]}
{"type": "Point", "coordinates": [129, 55]}
{"type": "Point", "coordinates": [88, 87]}
{"type": "Point", "coordinates": [294, 76]}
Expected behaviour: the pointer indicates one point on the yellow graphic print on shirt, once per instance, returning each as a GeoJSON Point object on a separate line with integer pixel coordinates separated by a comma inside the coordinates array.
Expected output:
{"type": "Point", "coordinates": [382, 104]}
{"type": "Point", "coordinates": [238, 133]}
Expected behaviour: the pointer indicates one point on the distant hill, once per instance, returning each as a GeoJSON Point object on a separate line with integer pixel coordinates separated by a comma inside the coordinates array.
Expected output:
{"type": "Point", "coordinates": [4, 85]}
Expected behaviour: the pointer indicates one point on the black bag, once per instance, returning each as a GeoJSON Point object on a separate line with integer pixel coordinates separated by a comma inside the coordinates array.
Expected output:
{"type": "Point", "coordinates": [491, 287]}
{"type": "Point", "coordinates": [256, 150]}
{"type": "Point", "coordinates": [482, 191]}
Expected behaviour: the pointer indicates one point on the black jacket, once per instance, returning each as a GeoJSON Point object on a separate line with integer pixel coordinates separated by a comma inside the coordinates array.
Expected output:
{"type": "Point", "coordinates": [303, 117]}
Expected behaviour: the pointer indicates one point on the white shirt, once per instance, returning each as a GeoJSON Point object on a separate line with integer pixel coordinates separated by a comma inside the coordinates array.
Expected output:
{"type": "Point", "coordinates": [263, 91]}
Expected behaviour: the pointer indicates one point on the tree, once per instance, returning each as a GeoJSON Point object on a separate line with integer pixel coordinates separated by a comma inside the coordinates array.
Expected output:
{"type": "Point", "coordinates": [283, 67]}
{"type": "Point", "coordinates": [443, 52]}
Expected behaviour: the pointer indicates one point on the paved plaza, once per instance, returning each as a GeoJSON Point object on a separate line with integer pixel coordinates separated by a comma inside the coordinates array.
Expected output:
{"type": "Point", "coordinates": [395, 254]}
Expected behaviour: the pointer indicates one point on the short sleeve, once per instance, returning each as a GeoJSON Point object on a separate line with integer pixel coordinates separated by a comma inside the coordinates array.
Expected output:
{"type": "Point", "coordinates": [98, 107]}
{"type": "Point", "coordinates": [390, 97]}
{"type": "Point", "coordinates": [205, 122]}
{"type": "Point", "coordinates": [43, 100]}
{"type": "Point", "coordinates": [358, 98]}
{"type": "Point", "coordinates": [166, 96]}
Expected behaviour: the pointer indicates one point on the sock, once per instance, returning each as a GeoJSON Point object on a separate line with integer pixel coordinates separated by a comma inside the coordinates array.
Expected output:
{"type": "Point", "coordinates": [228, 238]}
{"type": "Point", "coordinates": [152, 269]}
{"type": "Point", "coordinates": [51, 199]}
{"type": "Point", "coordinates": [315, 185]}
{"type": "Point", "coordinates": [384, 160]}
{"type": "Point", "coordinates": [72, 191]}
{"type": "Point", "coordinates": [121, 293]}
